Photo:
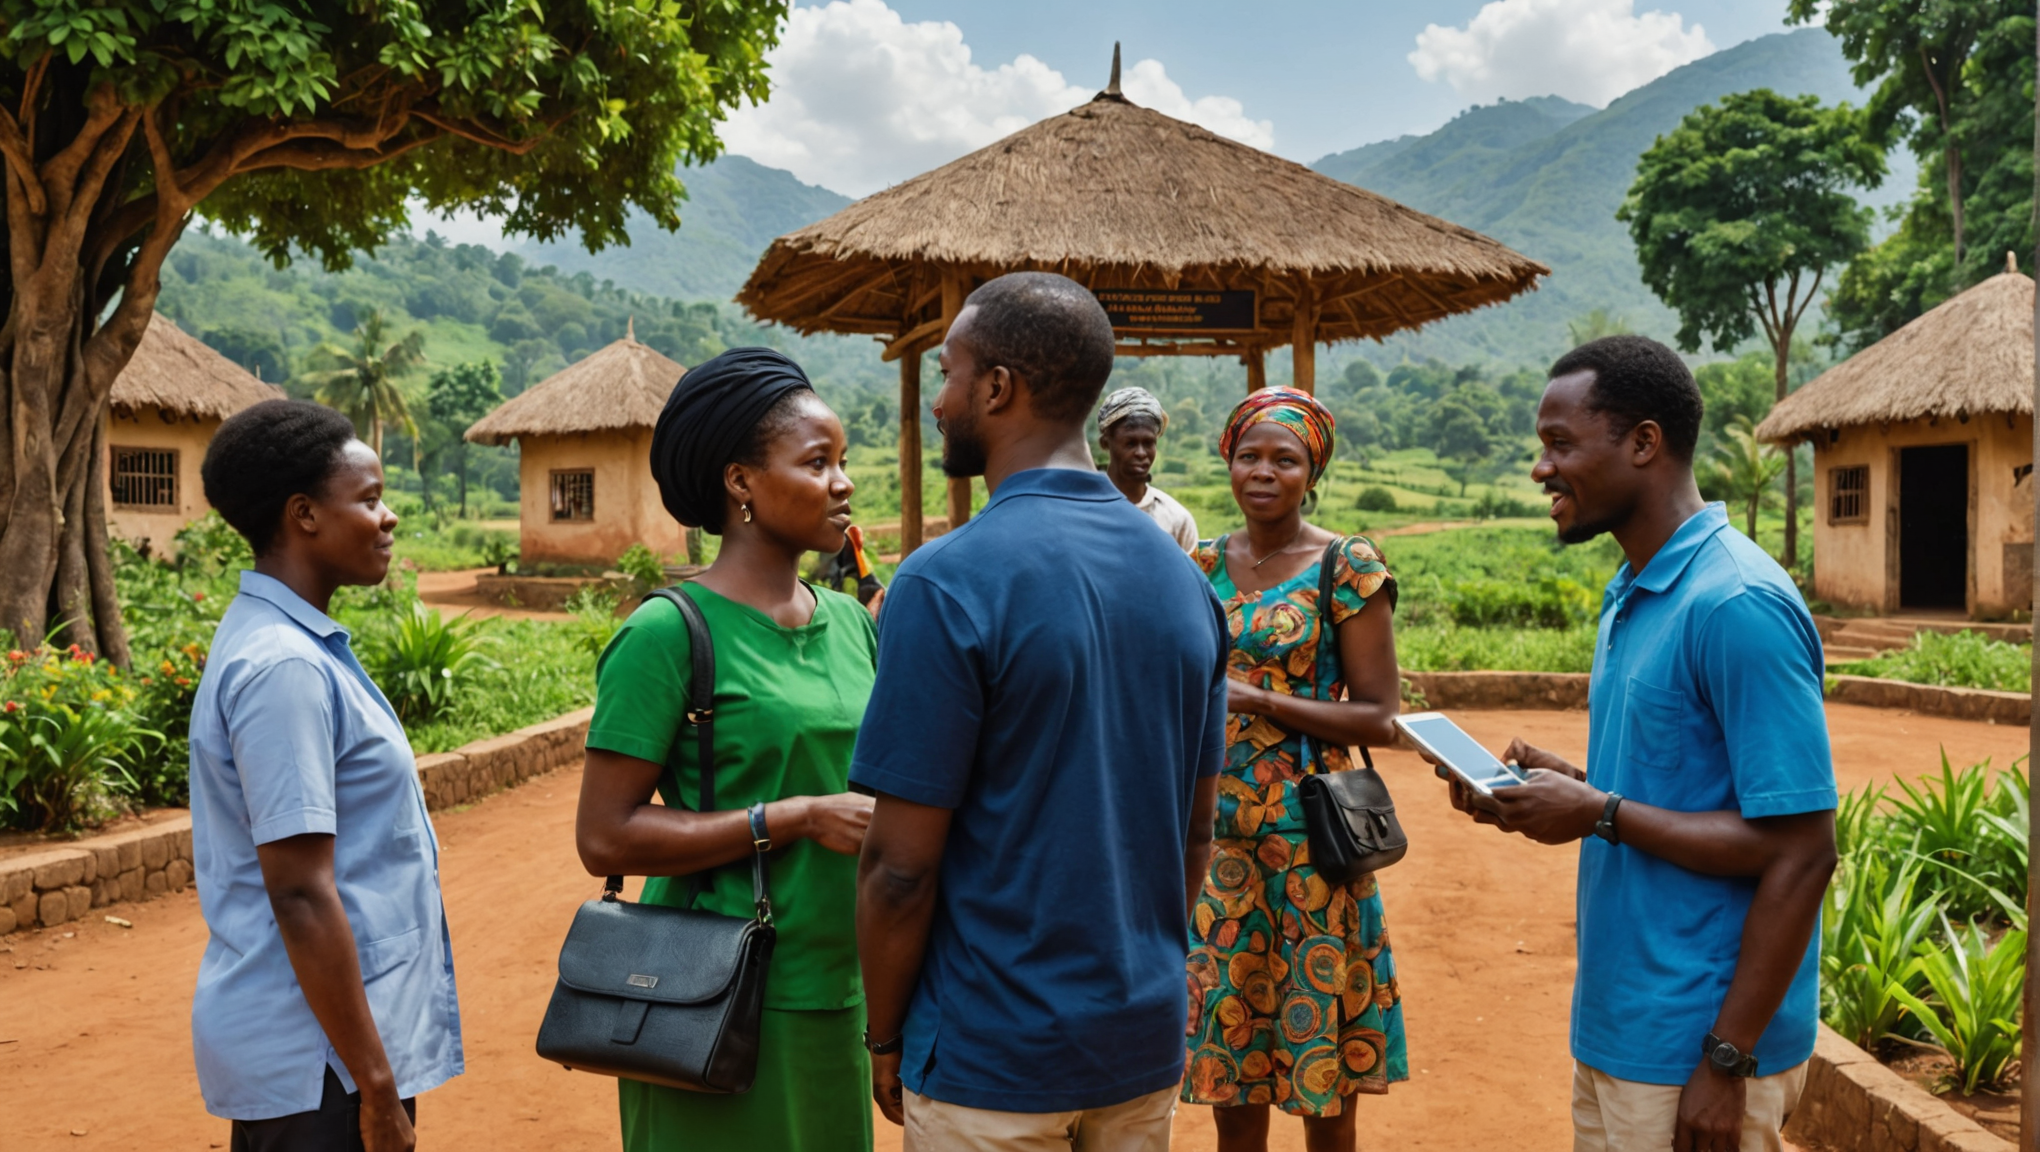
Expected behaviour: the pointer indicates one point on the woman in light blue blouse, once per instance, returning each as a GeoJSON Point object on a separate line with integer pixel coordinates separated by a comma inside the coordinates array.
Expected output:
{"type": "Point", "coordinates": [325, 999]}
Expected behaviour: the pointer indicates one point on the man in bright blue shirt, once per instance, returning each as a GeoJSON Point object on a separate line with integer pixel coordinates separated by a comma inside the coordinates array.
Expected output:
{"type": "Point", "coordinates": [1044, 739]}
{"type": "Point", "coordinates": [1706, 811]}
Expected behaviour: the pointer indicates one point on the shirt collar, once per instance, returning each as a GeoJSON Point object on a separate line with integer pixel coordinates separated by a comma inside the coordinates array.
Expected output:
{"type": "Point", "coordinates": [1061, 483]}
{"type": "Point", "coordinates": [1671, 560]}
{"type": "Point", "coordinates": [274, 591]}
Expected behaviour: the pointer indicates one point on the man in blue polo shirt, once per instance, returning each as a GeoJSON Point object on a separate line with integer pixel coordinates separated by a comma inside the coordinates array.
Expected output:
{"type": "Point", "coordinates": [1044, 739]}
{"type": "Point", "coordinates": [1706, 812]}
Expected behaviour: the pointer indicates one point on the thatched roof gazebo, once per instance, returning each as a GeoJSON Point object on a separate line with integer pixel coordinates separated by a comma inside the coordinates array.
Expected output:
{"type": "Point", "coordinates": [1923, 454]}
{"type": "Point", "coordinates": [585, 489]}
{"type": "Point", "coordinates": [1196, 244]}
{"type": "Point", "coordinates": [162, 412]}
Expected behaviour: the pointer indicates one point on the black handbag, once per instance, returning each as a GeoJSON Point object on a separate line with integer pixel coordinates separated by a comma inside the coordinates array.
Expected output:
{"type": "Point", "coordinates": [1349, 815]}
{"type": "Point", "coordinates": [670, 996]}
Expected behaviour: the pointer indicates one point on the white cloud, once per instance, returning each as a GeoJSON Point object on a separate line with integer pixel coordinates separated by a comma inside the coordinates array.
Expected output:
{"type": "Point", "coordinates": [862, 99]}
{"type": "Point", "coordinates": [1586, 50]}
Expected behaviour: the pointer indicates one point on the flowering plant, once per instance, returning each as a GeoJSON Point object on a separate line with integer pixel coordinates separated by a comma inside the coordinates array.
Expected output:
{"type": "Point", "coordinates": [69, 737]}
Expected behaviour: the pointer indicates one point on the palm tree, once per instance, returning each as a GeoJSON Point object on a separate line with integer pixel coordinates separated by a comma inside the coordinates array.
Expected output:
{"type": "Point", "coordinates": [1746, 468]}
{"type": "Point", "coordinates": [362, 383]}
{"type": "Point", "coordinates": [1596, 324]}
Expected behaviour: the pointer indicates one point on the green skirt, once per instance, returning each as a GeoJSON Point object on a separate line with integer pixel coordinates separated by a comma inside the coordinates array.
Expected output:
{"type": "Point", "coordinates": [813, 1094]}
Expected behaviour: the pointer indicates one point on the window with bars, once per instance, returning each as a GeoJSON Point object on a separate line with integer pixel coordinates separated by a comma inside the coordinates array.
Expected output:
{"type": "Point", "coordinates": [573, 495]}
{"type": "Point", "coordinates": [144, 477]}
{"type": "Point", "coordinates": [1849, 495]}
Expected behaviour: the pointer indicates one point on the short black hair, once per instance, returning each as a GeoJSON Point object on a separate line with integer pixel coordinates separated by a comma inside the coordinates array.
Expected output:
{"type": "Point", "coordinates": [1637, 379]}
{"type": "Point", "coordinates": [1052, 332]}
{"type": "Point", "coordinates": [264, 455]}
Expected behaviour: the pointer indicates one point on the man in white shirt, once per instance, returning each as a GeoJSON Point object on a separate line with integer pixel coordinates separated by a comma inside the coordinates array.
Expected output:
{"type": "Point", "coordinates": [1130, 426]}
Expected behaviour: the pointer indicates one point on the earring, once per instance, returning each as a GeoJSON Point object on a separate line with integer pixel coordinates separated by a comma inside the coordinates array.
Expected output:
{"type": "Point", "coordinates": [747, 513]}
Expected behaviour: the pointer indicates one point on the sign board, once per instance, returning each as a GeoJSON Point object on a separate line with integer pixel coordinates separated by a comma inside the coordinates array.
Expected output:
{"type": "Point", "coordinates": [1179, 309]}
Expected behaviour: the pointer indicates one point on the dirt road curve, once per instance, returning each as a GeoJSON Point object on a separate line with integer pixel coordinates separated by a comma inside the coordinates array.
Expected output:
{"type": "Point", "coordinates": [95, 1049]}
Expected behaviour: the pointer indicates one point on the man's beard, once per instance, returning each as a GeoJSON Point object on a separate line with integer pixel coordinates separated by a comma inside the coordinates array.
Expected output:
{"type": "Point", "coordinates": [963, 453]}
{"type": "Point", "coordinates": [1585, 530]}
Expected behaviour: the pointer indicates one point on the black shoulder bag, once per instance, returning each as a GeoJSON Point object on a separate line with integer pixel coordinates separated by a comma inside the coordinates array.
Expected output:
{"type": "Point", "coordinates": [1350, 816]}
{"type": "Point", "coordinates": [668, 996]}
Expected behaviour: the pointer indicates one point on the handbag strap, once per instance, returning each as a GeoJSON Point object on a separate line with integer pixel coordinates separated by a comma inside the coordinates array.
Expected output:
{"type": "Point", "coordinates": [1328, 639]}
{"type": "Point", "coordinates": [701, 714]}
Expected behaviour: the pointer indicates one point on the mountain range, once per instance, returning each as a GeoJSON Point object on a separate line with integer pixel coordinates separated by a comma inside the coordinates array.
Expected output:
{"type": "Point", "coordinates": [1543, 175]}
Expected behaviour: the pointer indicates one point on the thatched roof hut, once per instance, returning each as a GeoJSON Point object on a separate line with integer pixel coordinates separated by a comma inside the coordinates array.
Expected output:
{"type": "Point", "coordinates": [176, 373]}
{"type": "Point", "coordinates": [1923, 460]}
{"type": "Point", "coordinates": [1970, 356]}
{"type": "Point", "coordinates": [584, 441]}
{"type": "Point", "coordinates": [617, 389]}
{"type": "Point", "coordinates": [1123, 198]}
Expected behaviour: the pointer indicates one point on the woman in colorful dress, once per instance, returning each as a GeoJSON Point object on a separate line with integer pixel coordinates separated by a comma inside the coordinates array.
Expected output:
{"type": "Point", "coordinates": [744, 448]}
{"type": "Point", "coordinates": [1293, 999]}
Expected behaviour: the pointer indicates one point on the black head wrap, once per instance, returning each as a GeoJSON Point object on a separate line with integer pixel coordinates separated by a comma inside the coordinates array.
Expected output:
{"type": "Point", "coordinates": [705, 423]}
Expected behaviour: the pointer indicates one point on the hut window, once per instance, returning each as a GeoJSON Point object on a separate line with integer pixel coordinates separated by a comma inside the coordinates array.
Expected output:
{"type": "Point", "coordinates": [573, 495]}
{"type": "Point", "coordinates": [1849, 495]}
{"type": "Point", "coordinates": [144, 477]}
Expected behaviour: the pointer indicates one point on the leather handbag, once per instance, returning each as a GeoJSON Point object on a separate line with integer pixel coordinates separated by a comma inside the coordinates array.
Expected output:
{"type": "Point", "coordinates": [1349, 815]}
{"type": "Point", "coordinates": [670, 996]}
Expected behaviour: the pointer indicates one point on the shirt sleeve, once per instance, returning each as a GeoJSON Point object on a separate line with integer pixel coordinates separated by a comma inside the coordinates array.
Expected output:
{"type": "Point", "coordinates": [1186, 529]}
{"type": "Point", "coordinates": [281, 727]}
{"type": "Point", "coordinates": [641, 684]}
{"type": "Point", "coordinates": [920, 732]}
{"type": "Point", "coordinates": [1760, 668]}
{"type": "Point", "coordinates": [1358, 572]}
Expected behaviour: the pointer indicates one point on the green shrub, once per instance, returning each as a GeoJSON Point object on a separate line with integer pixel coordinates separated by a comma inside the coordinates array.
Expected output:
{"type": "Point", "coordinates": [1976, 988]}
{"type": "Point", "coordinates": [1874, 920]}
{"type": "Point", "coordinates": [1494, 506]}
{"type": "Point", "coordinates": [1963, 660]}
{"type": "Point", "coordinates": [1550, 602]}
{"type": "Point", "coordinates": [1450, 648]}
{"type": "Point", "coordinates": [1947, 821]}
{"type": "Point", "coordinates": [643, 566]}
{"type": "Point", "coordinates": [1375, 498]}
{"type": "Point", "coordinates": [422, 660]}
{"type": "Point", "coordinates": [68, 737]}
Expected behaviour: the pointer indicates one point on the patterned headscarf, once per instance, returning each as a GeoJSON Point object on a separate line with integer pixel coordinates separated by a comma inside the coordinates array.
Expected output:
{"type": "Point", "coordinates": [1294, 409]}
{"type": "Point", "coordinates": [1128, 402]}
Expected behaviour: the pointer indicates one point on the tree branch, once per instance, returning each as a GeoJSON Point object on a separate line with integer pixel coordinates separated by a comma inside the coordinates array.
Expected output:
{"type": "Point", "coordinates": [320, 155]}
{"type": "Point", "coordinates": [480, 136]}
{"type": "Point", "coordinates": [104, 111]}
{"type": "Point", "coordinates": [21, 163]}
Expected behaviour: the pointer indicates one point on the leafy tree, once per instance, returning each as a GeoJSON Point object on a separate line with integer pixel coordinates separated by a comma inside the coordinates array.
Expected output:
{"type": "Point", "coordinates": [454, 399]}
{"type": "Point", "coordinates": [258, 351]}
{"type": "Point", "coordinates": [1739, 214]}
{"type": "Point", "coordinates": [1460, 432]}
{"type": "Point", "coordinates": [1745, 469]}
{"type": "Point", "coordinates": [364, 379]}
{"type": "Point", "coordinates": [309, 128]}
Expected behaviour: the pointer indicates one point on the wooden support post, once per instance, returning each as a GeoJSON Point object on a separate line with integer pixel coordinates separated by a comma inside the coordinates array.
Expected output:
{"type": "Point", "coordinates": [910, 452]}
{"type": "Point", "coordinates": [952, 306]}
{"type": "Point", "coordinates": [1256, 361]}
{"type": "Point", "coordinates": [1303, 339]}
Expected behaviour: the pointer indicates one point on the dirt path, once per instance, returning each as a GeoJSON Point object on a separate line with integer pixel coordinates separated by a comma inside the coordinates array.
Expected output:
{"type": "Point", "coordinates": [95, 1048]}
{"type": "Point", "coordinates": [453, 593]}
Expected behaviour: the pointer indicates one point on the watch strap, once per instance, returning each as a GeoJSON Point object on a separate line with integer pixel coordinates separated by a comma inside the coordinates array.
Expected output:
{"type": "Point", "coordinates": [886, 1049]}
{"type": "Point", "coordinates": [1605, 826]}
{"type": "Point", "coordinates": [1727, 1057]}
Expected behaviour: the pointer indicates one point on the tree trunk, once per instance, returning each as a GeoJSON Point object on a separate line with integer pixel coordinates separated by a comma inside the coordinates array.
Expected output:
{"type": "Point", "coordinates": [1954, 164]}
{"type": "Point", "coordinates": [1782, 351]}
{"type": "Point", "coordinates": [463, 480]}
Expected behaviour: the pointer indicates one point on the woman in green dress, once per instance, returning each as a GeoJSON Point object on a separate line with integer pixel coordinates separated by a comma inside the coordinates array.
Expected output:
{"type": "Point", "coordinates": [746, 449]}
{"type": "Point", "coordinates": [1293, 996]}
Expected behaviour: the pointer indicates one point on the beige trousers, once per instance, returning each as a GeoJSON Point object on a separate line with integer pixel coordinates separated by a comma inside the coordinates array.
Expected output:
{"type": "Point", "coordinates": [1611, 1115]}
{"type": "Point", "coordinates": [1139, 1125]}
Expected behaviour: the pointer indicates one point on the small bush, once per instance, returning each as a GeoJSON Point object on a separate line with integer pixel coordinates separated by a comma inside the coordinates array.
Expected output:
{"type": "Point", "coordinates": [1976, 991]}
{"type": "Point", "coordinates": [421, 660]}
{"type": "Point", "coordinates": [643, 566]}
{"type": "Point", "coordinates": [1963, 660]}
{"type": "Point", "coordinates": [1550, 602]}
{"type": "Point", "coordinates": [69, 736]}
{"type": "Point", "coordinates": [1454, 649]}
{"type": "Point", "coordinates": [1375, 498]}
{"type": "Point", "coordinates": [1494, 506]}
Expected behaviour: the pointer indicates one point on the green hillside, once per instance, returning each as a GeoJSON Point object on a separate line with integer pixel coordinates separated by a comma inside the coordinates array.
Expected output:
{"type": "Point", "coordinates": [735, 207]}
{"type": "Point", "coordinates": [1547, 181]}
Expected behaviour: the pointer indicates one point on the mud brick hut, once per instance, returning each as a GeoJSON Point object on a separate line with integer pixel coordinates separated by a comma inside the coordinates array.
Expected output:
{"type": "Point", "coordinates": [1923, 460]}
{"type": "Point", "coordinates": [1197, 246]}
{"type": "Point", "coordinates": [584, 443]}
{"type": "Point", "coordinates": [164, 408]}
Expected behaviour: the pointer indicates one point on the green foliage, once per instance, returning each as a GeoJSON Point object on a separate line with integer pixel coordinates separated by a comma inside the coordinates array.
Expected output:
{"type": "Point", "coordinates": [1873, 923]}
{"type": "Point", "coordinates": [1375, 498]}
{"type": "Point", "coordinates": [1963, 660]}
{"type": "Point", "coordinates": [1450, 648]}
{"type": "Point", "coordinates": [1947, 822]}
{"type": "Point", "coordinates": [1744, 471]}
{"type": "Point", "coordinates": [68, 737]}
{"type": "Point", "coordinates": [1976, 988]}
{"type": "Point", "coordinates": [363, 382]}
{"type": "Point", "coordinates": [1541, 603]}
{"type": "Point", "coordinates": [595, 619]}
{"type": "Point", "coordinates": [421, 660]}
{"type": "Point", "coordinates": [455, 398]}
{"type": "Point", "coordinates": [1738, 213]}
{"type": "Point", "coordinates": [643, 566]}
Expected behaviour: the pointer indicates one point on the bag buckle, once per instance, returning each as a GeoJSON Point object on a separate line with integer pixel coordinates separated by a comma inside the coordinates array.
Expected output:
{"type": "Point", "coordinates": [700, 716]}
{"type": "Point", "coordinates": [764, 910]}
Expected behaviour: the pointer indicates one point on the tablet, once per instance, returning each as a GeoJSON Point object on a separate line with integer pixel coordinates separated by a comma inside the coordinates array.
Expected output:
{"type": "Point", "coordinates": [1447, 742]}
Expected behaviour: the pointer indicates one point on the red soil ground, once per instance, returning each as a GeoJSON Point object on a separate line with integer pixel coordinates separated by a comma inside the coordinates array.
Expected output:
{"type": "Point", "coordinates": [94, 1031]}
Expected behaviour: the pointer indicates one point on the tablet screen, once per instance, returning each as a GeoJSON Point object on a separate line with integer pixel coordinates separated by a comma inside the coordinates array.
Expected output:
{"type": "Point", "coordinates": [1463, 752]}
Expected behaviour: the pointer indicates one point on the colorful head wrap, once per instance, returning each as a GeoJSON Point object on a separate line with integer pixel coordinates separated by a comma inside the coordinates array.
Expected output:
{"type": "Point", "coordinates": [1294, 409]}
{"type": "Point", "coordinates": [1130, 402]}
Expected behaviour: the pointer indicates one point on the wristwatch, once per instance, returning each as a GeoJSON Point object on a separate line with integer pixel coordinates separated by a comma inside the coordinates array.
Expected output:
{"type": "Point", "coordinates": [1605, 826]}
{"type": "Point", "coordinates": [886, 1049]}
{"type": "Point", "coordinates": [1727, 1057]}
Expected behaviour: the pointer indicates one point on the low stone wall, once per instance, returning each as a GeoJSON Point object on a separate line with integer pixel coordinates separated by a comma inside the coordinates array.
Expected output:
{"type": "Point", "coordinates": [1501, 689]}
{"type": "Point", "coordinates": [1854, 1104]}
{"type": "Point", "coordinates": [543, 593]}
{"type": "Point", "coordinates": [1933, 700]}
{"type": "Point", "coordinates": [63, 884]}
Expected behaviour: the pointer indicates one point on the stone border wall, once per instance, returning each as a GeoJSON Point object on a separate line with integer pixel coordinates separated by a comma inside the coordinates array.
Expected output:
{"type": "Point", "coordinates": [1933, 700]}
{"type": "Point", "coordinates": [64, 884]}
{"type": "Point", "coordinates": [1500, 689]}
{"type": "Point", "coordinates": [1855, 1104]}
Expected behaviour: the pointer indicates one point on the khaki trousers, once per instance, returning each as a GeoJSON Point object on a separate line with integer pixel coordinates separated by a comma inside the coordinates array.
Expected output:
{"type": "Point", "coordinates": [1611, 1115]}
{"type": "Point", "coordinates": [1139, 1125]}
